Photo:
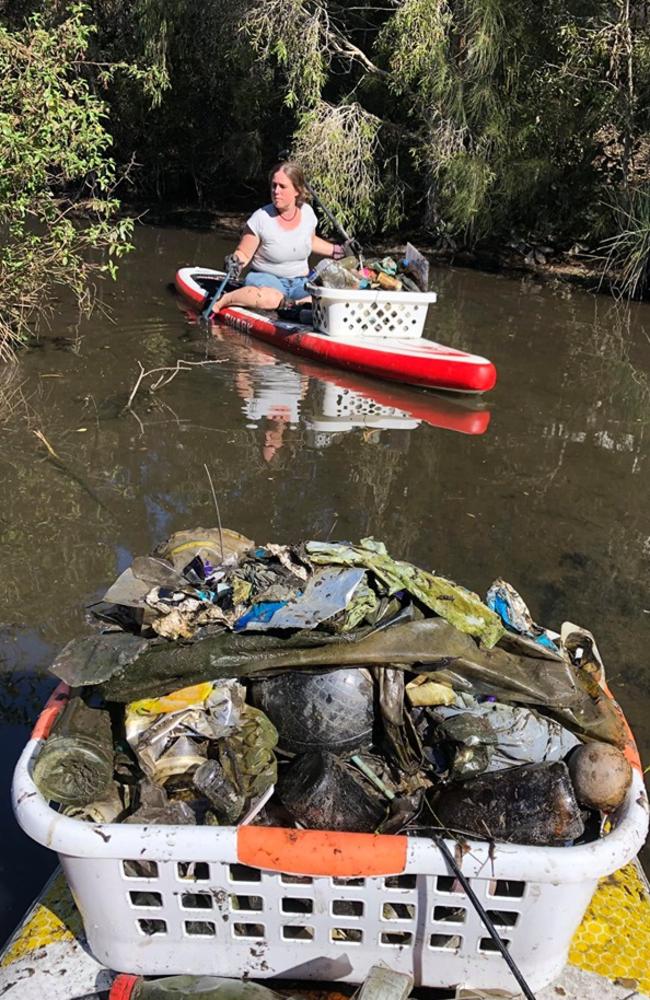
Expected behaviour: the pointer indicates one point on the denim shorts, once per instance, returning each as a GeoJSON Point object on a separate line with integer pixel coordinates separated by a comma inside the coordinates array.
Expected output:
{"type": "Point", "coordinates": [291, 288]}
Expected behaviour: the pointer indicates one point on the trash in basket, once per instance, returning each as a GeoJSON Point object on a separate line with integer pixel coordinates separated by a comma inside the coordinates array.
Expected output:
{"type": "Point", "coordinates": [460, 746]}
{"type": "Point", "coordinates": [410, 273]}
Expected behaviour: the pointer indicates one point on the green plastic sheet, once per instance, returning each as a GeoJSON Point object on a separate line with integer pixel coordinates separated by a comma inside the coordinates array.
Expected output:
{"type": "Point", "coordinates": [147, 668]}
{"type": "Point", "coordinates": [458, 606]}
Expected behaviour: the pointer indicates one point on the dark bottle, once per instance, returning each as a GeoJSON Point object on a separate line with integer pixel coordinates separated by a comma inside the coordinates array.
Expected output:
{"type": "Point", "coordinates": [126, 987]}
{"type": "Point", "coordinates": [319, 709]}
{"type": "Point", "coordinates": [321, 793]}
{"type": "Point", "coordinates": [531, 804]}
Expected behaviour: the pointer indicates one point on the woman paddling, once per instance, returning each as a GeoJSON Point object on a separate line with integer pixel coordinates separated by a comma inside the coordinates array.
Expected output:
{"type": "Point", "coordinates": [277, 242]}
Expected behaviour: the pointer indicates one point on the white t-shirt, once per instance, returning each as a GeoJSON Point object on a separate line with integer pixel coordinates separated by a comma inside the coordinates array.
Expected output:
{"type": "Point", "coordinates": [283, 252]}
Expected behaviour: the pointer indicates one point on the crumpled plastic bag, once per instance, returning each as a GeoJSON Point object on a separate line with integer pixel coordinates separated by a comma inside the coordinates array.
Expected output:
{"type": "Point", "coordinates": [212, 545]}
{"type": "Point", "coordinates": [503, 736]}
{"type": "Point", "coordinates": [169, 734]}
{"type": "Point", "coordinates": [246, 754]}
{"type": "Point", "coordinates": [136, 666]}
{"type": "Point", "coordinates": [513, 612]}
{"type": "Point", "coordinates": [325, 597]}
{"type": "Point", "coordinates": [179, 616]}
{"type": "Point", "coordinates": [286, 556]}
{"type": "Point", "coordinates": [423, 691]}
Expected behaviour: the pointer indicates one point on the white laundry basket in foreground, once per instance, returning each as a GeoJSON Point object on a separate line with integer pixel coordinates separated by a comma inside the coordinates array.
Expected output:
{"type": "Point", "coordinates": [355, 312]}
{"type": "Point", "coordinates": [259, 902]}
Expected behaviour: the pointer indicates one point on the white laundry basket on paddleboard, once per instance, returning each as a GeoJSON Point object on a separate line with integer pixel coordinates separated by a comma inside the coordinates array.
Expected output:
{"type": "Point", "coordinates": [302, 904]}
{"type": "Point", "coordinates": [352, 312]}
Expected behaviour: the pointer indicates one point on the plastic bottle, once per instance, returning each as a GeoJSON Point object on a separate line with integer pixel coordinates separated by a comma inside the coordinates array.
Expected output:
{"type": "Point", "coordinates": [332, 275]}
{"type": "Point", "coordinates": [389, 282]}
{"type": "Point", "coordinates": [75, 765]}
{"type": "Point", "coordinates": [228, 801]}
{"type": "Point", "coordinates": [126, 987]}
{"type": "Point", "coordinates": [531, 804]}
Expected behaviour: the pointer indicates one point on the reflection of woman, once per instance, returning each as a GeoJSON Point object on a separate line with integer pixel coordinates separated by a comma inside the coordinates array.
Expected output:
{"type": "Point", "coordinates": [277, 242]}
{"type": "Point", "coordinates": [271, 393]}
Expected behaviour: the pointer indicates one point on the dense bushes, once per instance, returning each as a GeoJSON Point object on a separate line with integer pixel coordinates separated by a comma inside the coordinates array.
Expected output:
{"type": "Point", "coordinates": [55, 155]}
{"type": "Point", "coordinates": [480, 118]}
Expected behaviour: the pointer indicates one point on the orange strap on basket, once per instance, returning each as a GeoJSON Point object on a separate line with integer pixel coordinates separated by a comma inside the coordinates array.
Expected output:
{"type": "Point", "coordinates": [53, 708]}
{"type": "Point", "coordinates": [630, 749]}
{"type": "Point", "coordinates": [321, 852]}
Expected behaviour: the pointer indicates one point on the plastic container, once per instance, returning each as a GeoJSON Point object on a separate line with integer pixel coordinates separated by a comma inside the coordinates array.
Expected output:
{"type": "Point", "coordinates": [350, 312]}
{"type": "Point", "coordinates": [305, 904]}
{"type": "Point", "coordinates": [318, 709]}
{"type": "Point", "coordinates": [321, 793]}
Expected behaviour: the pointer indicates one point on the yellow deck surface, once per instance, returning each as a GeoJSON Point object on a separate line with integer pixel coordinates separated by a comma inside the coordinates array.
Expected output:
{"type": "Point", "coordinates": [614, 936]}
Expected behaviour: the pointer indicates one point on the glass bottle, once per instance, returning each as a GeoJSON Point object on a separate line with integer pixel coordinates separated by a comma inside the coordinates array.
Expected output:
{"type": "Point", "coordinates": [75, 765]}
{"type": "Point", "coordinates": [126, 987]}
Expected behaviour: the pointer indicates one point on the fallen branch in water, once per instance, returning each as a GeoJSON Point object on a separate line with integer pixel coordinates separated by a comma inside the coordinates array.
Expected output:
{"type": "Point", "coordinates": [41, 437]}
{"type": "Point", "coordinates": [67, 469]}
{"type": "Point", "coordinates": [165, 376]}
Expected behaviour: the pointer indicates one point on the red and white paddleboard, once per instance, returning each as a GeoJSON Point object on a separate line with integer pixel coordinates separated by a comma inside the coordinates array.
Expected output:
{"type": "Point", "coordinates": [413, 361]}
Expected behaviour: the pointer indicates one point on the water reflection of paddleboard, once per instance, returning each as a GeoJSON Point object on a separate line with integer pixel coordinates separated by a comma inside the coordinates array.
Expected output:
{"type": "Point", "coordinates": [407, 359]}
{"type": "Point", "coordinates": [347, 393]}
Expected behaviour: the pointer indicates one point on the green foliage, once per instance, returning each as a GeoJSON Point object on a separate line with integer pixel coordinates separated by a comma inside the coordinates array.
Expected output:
{"type": "Point", "coordinates": [293, 33]}
{"type": "Point", "coordinates": [55, 151]}
{"type": "Point", "coordinates": [339, 147]}
{"type": "Point", "coordinates": [215, 113]}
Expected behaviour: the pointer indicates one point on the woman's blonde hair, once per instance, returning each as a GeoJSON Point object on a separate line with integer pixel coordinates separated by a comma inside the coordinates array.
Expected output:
{"type": "Point", "coordinates": [296, 175]}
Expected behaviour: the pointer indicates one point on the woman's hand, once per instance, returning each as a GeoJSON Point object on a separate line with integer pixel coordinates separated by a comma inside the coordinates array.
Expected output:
{"type": "Point", "coordinates": [245, 251]}
{"type": "Point", "coordinates": [233, 264]}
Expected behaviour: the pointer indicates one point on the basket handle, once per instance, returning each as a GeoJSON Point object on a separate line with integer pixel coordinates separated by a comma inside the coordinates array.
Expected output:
{"type": "Point", "coordinates": [53, 708]}
{"type": "Point", "coordinates": [321, 852]}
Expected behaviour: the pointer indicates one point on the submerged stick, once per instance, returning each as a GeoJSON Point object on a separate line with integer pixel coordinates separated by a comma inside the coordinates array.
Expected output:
{"type": "Point", "coordinates": [166, 374]}
{"type": "Point", "coordinates": [63, 467]}
{"type": "Point", "coordinates": [41, 437]}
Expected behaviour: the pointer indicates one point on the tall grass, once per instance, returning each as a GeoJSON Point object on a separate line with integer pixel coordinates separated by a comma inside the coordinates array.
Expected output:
{"type": "Point", "coordinates": [625, 257]}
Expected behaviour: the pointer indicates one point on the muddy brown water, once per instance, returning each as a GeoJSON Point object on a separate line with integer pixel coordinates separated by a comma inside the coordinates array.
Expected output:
{"type": "Point", "coordinates": [544, 482]}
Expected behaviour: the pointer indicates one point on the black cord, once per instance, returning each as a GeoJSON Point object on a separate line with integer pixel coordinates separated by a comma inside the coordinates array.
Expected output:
{"type": "Point", "coordinates": [478, 906]}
